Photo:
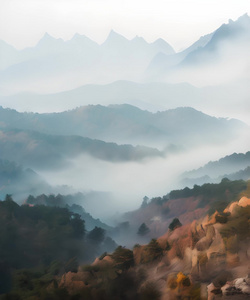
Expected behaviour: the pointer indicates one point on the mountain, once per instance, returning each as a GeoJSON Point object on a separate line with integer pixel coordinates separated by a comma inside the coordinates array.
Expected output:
{"type": "Point", "coordinates": [218, 58]}
{"type": "Point", "coordinates": [162, 62]}
{"type": "Point", "coordinates": [203, 255]}
{"type": "Point", "coordinates": [226, 35]}
{"type": "Point", "coordinates": [8, 55]}
{"type": "Point", "coordinates": [69, 202]}
{"type": "Point", "coordinates": [43, 151]}
{"type": "Point", "coordinates": [77, 62]}
{"type": "Point", "coordinates": [126, 124]}
{"type": "Point", "coordinates": [197, 259]}
{"type": "Point", "coordinates": [19, 181]}
{"type": "Point", "coordinates": [234, 167]}
{"type": "Point", "coordinates": [150, 96]}
{"type": "Point", "coordinates": [228, 100]}
{"type": "Point", "coordinates": [226, 165]}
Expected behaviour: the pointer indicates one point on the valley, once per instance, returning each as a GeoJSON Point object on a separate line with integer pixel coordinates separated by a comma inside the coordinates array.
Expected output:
{"type": "Point", "coordinates": [125, 168]}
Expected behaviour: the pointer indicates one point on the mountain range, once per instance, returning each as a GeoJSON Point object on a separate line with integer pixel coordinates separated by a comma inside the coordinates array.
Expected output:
{"type": "Point", "coordinates": [43, 151]}
{"type": "Point", "coordinates": [227, 164]}
{"type": "Point", "coordinates": [234, 167]}
{"type": "Point", "coordinates": [224, 49]}
{"type": "Point", "coordinates": [54, 65]}
{"type": "Point", "coordinates": [76, 62]}
{"type": "Point", "coordinates": [126, 124]}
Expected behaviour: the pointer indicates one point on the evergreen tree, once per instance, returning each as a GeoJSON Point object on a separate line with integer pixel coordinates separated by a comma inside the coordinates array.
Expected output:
{"type": "Point", "coordinates": [143, 229]}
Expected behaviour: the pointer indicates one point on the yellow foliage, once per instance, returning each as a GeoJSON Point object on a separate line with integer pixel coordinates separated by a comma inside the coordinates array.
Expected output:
{"type": "Point", "coordinates": [180, 277]}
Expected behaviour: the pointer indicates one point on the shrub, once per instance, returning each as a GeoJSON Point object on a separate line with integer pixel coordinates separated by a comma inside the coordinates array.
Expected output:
{"type": "Point", "coordinates": [174, 224]}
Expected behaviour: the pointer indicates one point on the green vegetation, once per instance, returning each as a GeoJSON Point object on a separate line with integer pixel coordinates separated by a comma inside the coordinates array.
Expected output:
{"type": "Point", "coordinates": [151, 252]}
{"type": "Point", "coordinates": [216, 195]}
{"type": "Point", "coordinates": [238, 224]}
{"type": "Point", "coordinates": [124, 258]}
{"type": "Point", "coordinates": [150, 292]}
{"type": "Point", "coordinates": [143, 229]}
{"type": "Point", "coordinates": [174, 224]}
{"type": "Point", "coordinates": [40, 242]}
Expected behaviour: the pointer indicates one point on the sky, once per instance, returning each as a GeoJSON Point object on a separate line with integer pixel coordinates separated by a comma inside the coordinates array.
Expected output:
{"type": "Point", "coordinates": [179, 22]}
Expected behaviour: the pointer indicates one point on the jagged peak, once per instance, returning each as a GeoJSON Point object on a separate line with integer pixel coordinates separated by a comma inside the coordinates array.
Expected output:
{"type": "Point", "coordinates": [163, 45]}
{"type": "Point", "coordinates": [114, 37]}
{"type": "Point", "coordinates": [6, 45]}
{"type": "Point", "coordinates": [243, 20]}
{"type": "Point", "coordinates": [139, 38]}
{"type": "Point", "coordinates": [81, 38]}
{"type": "Point", "coordinates": [160, 41]}
{"type": "Point", "coordinates": [78, 36]}
{"type": "Point", "coordinates": [47, 38]}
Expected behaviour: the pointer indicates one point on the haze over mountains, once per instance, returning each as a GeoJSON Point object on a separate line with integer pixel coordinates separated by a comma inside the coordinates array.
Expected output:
{"type": "Point", "coordinates": [126, 124]}
{"type": "Point", "coordinates": [55, 65]}
{"type": "Point", "coordinates": [95, 133]}
{"type": "Point", "coordinates": [84, 140]}
{"type": "Point", "coordinates": [172, 98]}
{"type": "Point", "coordinates": [211, 75]}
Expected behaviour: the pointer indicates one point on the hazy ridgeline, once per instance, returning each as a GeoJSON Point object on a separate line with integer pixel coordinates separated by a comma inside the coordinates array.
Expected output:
{"type": "Point", "coordinates": [119, 150]}
{"type": "Point", "coordinates": [91, 138]}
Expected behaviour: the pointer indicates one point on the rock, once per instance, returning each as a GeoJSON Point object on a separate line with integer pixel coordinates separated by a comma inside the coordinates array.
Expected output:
{"type": "Point", "coordinates": [240, 286]}
{"type": "Point", "coordinates": [211, 291]}
{"type": "Point", "coordinates": [243, 285]}
{"type": "Point", "coordinates": [244, 201]}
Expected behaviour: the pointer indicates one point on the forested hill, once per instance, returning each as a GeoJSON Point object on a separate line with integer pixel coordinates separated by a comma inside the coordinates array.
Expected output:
{"type": "Point", "coordinates": [38, 243]}
{"type": "Point", "coordinates": [38, 150]}
{"type": "Point", "coordinates": [128, 124]}
{"type": "Point", "coordinates": [41, 248]}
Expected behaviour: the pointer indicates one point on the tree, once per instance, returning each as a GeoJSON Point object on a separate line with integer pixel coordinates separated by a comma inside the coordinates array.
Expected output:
{"type": "Point", "coordinates": [174, 224]}
{"type": "Point", "coordinates": [123, 258]}
{"type": "Point", "coordinates": [144, 202]}
{"type": "Point", "coordinates": [152, 251]}
{"type": "Point", "coordinates": [97, 235]}
{"type": "Point", "coordinates": [143, 229]}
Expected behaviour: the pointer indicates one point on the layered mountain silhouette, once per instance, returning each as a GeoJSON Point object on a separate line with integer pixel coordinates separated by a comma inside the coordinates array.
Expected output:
{"type": "Point", "coordinates": [224, 49]}
{"type": "Point", "coordinates": [55, 65]}
{"type": "Point", "coordinates": [20, 181]}
{"type": "Point", "coordinates": [43, 151]}
{"type": "Point", "coordinates": [126, 124]}
{"type": "Point", "coordinates": [234, 167]}
{"type": "Point", "coordinates": [78, 61]}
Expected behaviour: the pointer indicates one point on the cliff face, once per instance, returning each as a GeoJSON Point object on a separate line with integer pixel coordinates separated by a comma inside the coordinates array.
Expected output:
{"type": "Point", "coordinates": [200, 260]}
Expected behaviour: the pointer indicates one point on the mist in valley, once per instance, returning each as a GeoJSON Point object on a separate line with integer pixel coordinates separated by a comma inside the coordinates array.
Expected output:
{"type": "Point", "coordinates": [123, 140]}
{"type": "Point", "coordinates": [128, 182]}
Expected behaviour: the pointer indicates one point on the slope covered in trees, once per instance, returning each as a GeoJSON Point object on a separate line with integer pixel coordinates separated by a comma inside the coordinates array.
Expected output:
{"type": "Point", "coordinates": [50, 242]}
{"type": "Point", "coordinates": [37, 243]}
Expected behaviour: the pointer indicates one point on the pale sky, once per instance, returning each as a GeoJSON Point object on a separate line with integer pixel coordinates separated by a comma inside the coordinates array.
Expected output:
{"type": "Point", "coordinates": [179, 22]}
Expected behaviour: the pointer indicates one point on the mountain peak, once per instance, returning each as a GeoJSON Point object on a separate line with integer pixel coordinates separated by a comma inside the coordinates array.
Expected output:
{"type": "Point", "coordinates": [48, 39]}
{"type": "Point", "coordinates": [79, 38]}
{"type": "Point", "coordinates": [114, 37]}
{"type": "Point", "coordinates": [163, 46]}
{"type": "Point", "coordinates": [47, 36]}
{"type": "Point", "coordinates": [244, 20]}
{"type": "Point", "coordinates": [139, 38]}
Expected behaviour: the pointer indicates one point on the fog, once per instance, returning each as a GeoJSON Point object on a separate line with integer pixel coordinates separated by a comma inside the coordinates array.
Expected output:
{"type": "Point", "coordinates": [129, 182]}
{"type": "Point", "coordinates": [213, 77]}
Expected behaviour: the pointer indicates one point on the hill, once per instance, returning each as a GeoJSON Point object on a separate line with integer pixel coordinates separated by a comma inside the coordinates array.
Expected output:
{"type": "Point", "coordinates": [126, 124]}
{"type": "Point", "coordinates": [43, 151]}
{"type": "Point", "coordinates": [226, 165]}
{"type": "Point", "coordinates": [199, 258]}
{"type": "Point", "coordinates": [20, 181]}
